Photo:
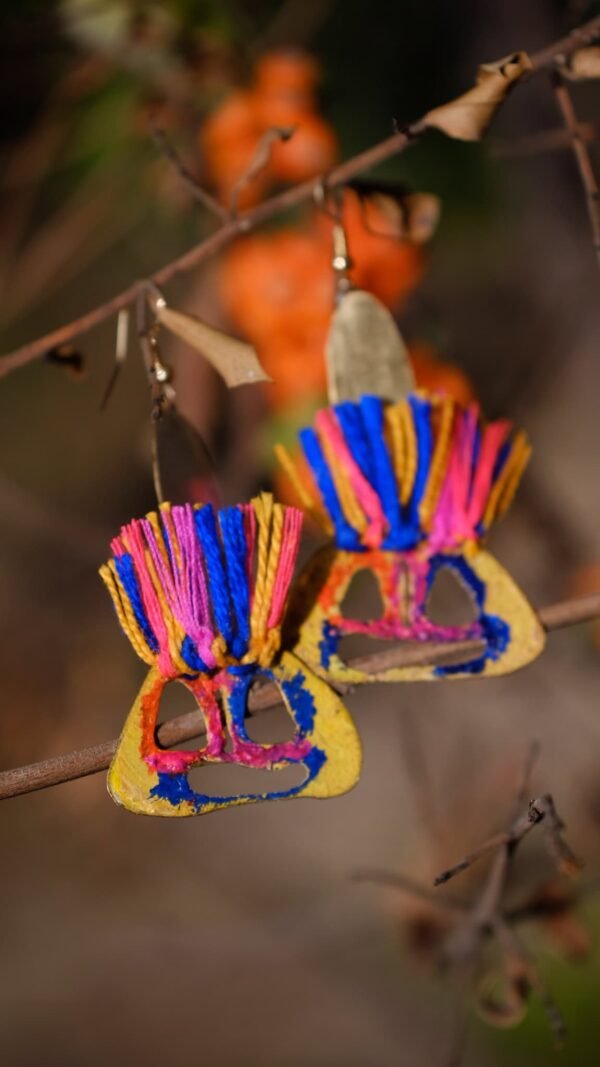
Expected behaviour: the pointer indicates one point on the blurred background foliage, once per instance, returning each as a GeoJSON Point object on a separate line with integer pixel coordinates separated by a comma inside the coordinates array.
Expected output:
{"type": "Point", "coordinates": [242, 937]}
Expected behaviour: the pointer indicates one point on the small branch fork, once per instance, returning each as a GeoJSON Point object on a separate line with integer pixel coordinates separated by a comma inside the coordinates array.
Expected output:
{"type": "Point", "coordinates": [472, 924]}
{"type": "Point", "coordinates": [582, 156]}
{"type": "Point", "coordinates": [92, 760]}
{"type": "Point", "coordinates": [275, 205]}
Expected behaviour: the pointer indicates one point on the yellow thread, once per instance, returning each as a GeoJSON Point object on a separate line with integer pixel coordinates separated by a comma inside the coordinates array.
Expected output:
{"type": "Point", "coordinates": [219, 650]}
{"type": "Point", "coordinates": [275, 541]}
{"type": "Point", "coordinates": [125, 614]}
{"type": "Point", "coordinates": [308, 501]}
{"type": "Point", "coordinates": [409, 467]}
{"type": "Point", "coordinates": [439, 461]}
{"type": "Point", "coordinates": [513, 468]}
{"type": "Point", "coordinates": [348, 502]}
{"type": "Point", "coordinates": [156, 525]}
{"type": "Point", "coordinates": [395, 442]}
{"type": "Point", "coordinates": [262, 507]}
{"type": "Point", "coordinates": [175, 632]}
{"type": "Point", "coordinates": [165, 511]}
{"type": "Point", "coordinates": [270, 647]}
{"type": "Point", "coordinates": [512, 484]}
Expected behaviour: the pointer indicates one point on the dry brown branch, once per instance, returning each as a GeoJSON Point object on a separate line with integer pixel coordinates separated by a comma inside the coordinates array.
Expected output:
{"type": "Point", "coordinates": [260, 160]}
{"type": "Point", "coordinates": [86, 761]}
{"type": "Point", "coordinates": [582, 157]}
{"type": "Point", "coordinates": [536, 144]}
{"type": "Point", "coordinates": [275, 205]}
{"type": "Point", "coordinates": [198, 192]}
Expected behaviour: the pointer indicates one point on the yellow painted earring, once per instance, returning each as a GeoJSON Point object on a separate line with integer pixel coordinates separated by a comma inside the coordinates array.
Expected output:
{"type": "Point", "coordinates": [201, 594]}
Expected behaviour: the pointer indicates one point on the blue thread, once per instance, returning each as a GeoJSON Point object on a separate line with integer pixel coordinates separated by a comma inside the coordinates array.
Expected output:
{"type": "Point", "coordinates": [231, 521]}
{"type": "Point", "coordinates": [126, 572]}
{"type": "Point", "coordinates": [301, 702]}
{"type": "Point", "coordinates": [501, 459]}
{"type": "Point", "coordinates": [175, 788]}
{"type": "Point", "coordinates": [206, 528]}
{"type": "Point", "coordinates": [350, 418]}
{"type": "Point", "coordinates": [399, 536]}
{"type": "Point", "coordinates": [189, 653]}
{"type": "Point", "coordinates": [495, 631]}
{"type": "Point", "coordinates": [329, 642]}
{"type": "Point", "coordinates": [345, 535]}
{"type": "Point", "coordinates": [238, 697]}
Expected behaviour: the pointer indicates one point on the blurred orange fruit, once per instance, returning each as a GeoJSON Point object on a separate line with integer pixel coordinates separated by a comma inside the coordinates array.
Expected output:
{"type": "Point", "coordinates": [439, 376]}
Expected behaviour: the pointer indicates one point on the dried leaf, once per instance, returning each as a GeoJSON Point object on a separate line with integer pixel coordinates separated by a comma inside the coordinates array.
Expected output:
{"type": "Point", "coordinates": [236, 361]}
{"type": "Point", "coordinates": [393, 211]}
{"type": "Point", "coordinates": [68, 357]}
{"type": "Point", "coordinates": [365, 352]}
{"type": "Point", "coordinates": [504, 994]}
{"type": "Point", "coordinates": [468, 117]}
{"type": "Point", "coordinates": [583, 64]}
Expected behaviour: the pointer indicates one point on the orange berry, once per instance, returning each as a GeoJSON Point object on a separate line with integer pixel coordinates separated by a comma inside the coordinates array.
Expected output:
{"type": "Point", "coordinates": [310, 150]}
{"type": "Point", "coordinates": [286, 73]}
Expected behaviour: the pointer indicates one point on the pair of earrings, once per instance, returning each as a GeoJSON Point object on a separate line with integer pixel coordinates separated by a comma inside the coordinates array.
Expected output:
{"type": "Point", "coordinates": [406, 484]}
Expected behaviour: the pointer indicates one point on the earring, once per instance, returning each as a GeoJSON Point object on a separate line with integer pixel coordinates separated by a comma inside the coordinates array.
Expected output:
{"type": "Point", "coordinates": [407, 484]}
{"type": "Point", "coordinates": [201, 594]}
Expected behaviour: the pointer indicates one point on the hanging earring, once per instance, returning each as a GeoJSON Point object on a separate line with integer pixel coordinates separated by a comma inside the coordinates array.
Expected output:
{"type": "Point", "coordinates": [407, 483]}
{"type": "Point", "coordinates": [201, 594]}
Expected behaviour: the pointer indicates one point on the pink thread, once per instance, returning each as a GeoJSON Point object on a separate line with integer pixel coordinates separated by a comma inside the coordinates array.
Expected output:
{"type": "Point", "coordinates": [191, 583]}
{"type": "Point", "coordinates": [327, 425]}
{"type": "Point", "coordinates": [292, 530]}
{"type": "Point", "coordinates": [493, 438]}
{"type": "Point", "coordinates": [134, 533]}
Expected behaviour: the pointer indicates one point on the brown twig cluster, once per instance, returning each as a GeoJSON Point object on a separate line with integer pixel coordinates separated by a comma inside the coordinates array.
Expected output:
{"type": "Point", "coordinates": [234, 225]}
{"type": "Point", "coordinates": [468, 928]}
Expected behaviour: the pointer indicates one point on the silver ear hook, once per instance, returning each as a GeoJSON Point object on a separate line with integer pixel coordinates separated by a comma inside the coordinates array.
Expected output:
{"type": "Point", "coordinates": [149, 301]}
{"type": "Point", "coordinates": [341, 261]}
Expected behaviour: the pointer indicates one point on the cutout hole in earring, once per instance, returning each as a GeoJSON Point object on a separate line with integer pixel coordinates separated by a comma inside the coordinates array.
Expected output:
{"type": "Point", "coordinates": [271, 727]}
{"type": "Point", "coordinates": [449, 603]}
{"type": "Point", "coordinates": [177, 700]}
{"type": "Point", "coordinates": [363, 597]}
{"type": "Point", "coordinates": [227, 779]}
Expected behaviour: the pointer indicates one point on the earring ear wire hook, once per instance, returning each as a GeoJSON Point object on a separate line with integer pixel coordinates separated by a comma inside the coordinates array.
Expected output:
{"type": "Point", "coordinates": [341, 260]}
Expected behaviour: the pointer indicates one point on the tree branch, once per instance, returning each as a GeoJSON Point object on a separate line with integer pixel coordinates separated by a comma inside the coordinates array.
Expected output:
{"type": "Point", "coordinates": [198, 192]}
{"type": "Point", "coordinates": [86, 761]}
{"type": "Point", "coordinates": [275, 205]}
{"type": "Point", "coordinates": [582, 157]}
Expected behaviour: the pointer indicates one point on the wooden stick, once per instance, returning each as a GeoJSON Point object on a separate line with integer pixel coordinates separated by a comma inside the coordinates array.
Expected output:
{"type": "Point", "coordinates": [86, 761]}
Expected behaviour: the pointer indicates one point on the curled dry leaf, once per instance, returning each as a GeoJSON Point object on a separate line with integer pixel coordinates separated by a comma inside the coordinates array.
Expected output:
{"type": "Point", "coordinates": [504, 994]}
{"type": "Point", "coordinates": [236, 361]}
{"type": "Point", "coordinates": [468, 117]}
{"type": "Point", "coordinates": [583, 64]}
{"type": "Point", "coordinates": [398, 213]}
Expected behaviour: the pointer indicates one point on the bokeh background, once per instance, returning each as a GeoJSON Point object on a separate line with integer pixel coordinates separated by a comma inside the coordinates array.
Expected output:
{"type": "Point", "coordinates": [242, 938]}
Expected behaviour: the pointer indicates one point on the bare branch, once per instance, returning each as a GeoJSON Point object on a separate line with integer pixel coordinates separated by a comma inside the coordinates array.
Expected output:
{"type": "Point", "coordinates": [86, 761]}
{"type": "Point", "coordinates": [582, 157]}
{"type": "Point", "coordinates": [275, 205]}
{"type": "Point", "coordinates": [198, 192]}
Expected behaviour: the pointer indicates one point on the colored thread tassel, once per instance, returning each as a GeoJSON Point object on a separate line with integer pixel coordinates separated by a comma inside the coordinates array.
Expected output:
{"type": "Point", "coordinates": [197, 589]}
{"type": "Point", "coordinates": [392, 476]}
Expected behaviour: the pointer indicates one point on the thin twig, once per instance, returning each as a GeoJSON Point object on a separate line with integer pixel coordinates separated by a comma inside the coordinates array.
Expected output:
{"type": "Point", "coordinates": [404, 884]}
{"type": "Point", "coordinates": [86, 761]}
{"type": "Point", "coordinates": [275, 205]}
{"type": "Point", "coordinates": [582, 157]}
{"type": "Point", "coordinates": [535, 144]}
{"type": "Point", "coordinates": [198, 192]}
{"type": "Point", "coordinates": [517, 832]}
{"type": "Point", "coordinates": [260, 159]}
